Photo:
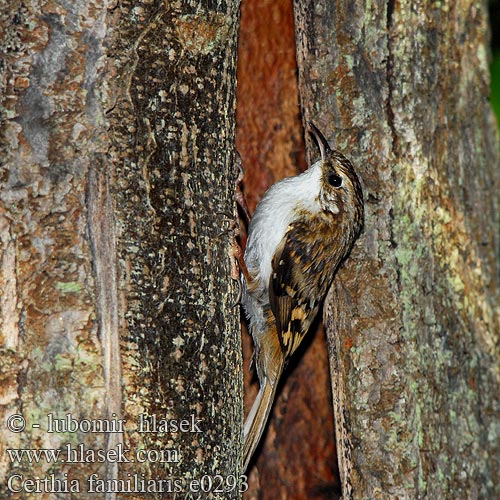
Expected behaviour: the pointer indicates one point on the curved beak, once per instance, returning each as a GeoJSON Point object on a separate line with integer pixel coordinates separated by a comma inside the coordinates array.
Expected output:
{"type": "Point", "coordinates": [323, 145]}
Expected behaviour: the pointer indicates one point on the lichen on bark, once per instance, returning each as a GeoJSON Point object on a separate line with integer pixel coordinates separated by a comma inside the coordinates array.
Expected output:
{"type": "Point", "coordinates": [51, 354]}
{"type": "Point", "coordinates": [173, 128]}
{"type": "Point", "coordinates": [415, 351]}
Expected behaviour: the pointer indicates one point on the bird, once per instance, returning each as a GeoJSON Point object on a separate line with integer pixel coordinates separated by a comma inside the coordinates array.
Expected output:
{"type": "Point", "coordinates": [301, 231]}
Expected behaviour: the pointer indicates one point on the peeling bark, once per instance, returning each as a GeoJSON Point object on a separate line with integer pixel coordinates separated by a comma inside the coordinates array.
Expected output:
{"type": "Point", "coordinates": [51, 134]}
{"type": "Point", "coordinates": [414, 329]}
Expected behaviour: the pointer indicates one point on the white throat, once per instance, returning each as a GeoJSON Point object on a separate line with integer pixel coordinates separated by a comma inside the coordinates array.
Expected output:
{"type": "Point", "coordinates": [278, 208]}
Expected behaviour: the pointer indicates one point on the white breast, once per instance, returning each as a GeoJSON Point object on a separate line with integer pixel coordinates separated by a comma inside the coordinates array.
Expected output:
{"type": "Point", "coordinates": [277, 209]}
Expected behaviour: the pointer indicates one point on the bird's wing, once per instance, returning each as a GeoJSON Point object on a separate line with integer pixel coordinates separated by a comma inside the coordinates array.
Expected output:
{"type": "Point", "coordinates": [293, 293]}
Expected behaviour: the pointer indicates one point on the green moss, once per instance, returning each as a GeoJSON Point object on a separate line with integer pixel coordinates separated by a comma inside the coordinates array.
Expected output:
{"type": "Point", "coordinates": [68, 286]}
{"type": "Point", "coordinates": [62, 362]}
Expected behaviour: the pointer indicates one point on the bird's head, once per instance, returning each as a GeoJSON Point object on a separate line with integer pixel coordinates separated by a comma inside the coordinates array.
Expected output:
{"type": "Point", "coordinates": [340, 191]}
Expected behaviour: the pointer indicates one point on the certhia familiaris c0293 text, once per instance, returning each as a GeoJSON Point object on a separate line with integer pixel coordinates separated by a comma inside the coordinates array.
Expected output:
{"type": "Point", "coordinates": [301, 231]}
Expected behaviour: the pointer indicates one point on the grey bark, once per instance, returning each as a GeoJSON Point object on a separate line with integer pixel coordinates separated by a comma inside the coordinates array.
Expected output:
{"type": "Point", "coordinates": [413, 321]}
{"type": "Point", "coordinates": [115, 229]}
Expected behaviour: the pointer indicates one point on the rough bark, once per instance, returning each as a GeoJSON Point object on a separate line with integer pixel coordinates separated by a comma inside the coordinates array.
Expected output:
{"type": "Point", "coordinates": [115, 228]}
{"type": "Point", "coordinates": [413, 328]}
{"type": "Point", "coordinates": [52, 343]}
{"type": "Point", "coordinates": [173, 125]}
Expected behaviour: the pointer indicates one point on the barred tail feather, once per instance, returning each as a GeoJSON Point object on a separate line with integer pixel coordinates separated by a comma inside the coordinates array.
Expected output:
{"type": "Point", "coordinates": [257, 419]}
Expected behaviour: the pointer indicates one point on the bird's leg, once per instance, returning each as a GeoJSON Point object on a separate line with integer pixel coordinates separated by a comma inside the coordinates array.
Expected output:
{"type": "Point", "coordinates": [238, 192]}
{"type": "Point", "coordinates": [238, 265]}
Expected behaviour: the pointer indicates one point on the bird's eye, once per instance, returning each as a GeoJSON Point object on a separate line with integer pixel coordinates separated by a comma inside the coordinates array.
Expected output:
{"type": "Point", "coordinates": [334, 180]}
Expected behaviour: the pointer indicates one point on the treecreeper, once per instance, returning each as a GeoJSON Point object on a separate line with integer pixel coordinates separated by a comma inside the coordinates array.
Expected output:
{"type": "Point", "coordinates": [301, 231]}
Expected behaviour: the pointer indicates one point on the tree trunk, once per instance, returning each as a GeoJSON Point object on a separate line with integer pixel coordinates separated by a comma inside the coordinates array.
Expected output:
{"type": "Point", "coordinates": [413, 320]}
{"type": "Point", "coordinates": [115, 229]}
